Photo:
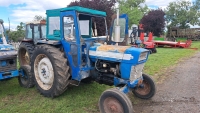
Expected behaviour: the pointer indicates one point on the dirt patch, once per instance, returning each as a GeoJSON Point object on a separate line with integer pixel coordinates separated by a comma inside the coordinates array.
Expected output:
{"type": "Point", "coordinates": [178, 90]}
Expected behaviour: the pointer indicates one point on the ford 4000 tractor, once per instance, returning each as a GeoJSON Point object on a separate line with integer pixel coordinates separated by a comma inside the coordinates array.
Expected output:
{"type": "Point", "coordinates": [74, 51]}
{"type": "Point", "coordinates": [8, 62]}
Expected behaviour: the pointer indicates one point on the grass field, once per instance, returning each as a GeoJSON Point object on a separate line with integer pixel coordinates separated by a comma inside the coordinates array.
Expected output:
{"type": "Point", "coordinates": [82, 99]}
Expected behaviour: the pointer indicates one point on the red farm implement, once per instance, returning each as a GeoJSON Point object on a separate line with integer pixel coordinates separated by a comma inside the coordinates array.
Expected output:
{"type": "Point", "coordinates": [149, 44]}
{"type": "Point", "coordinates": [178, 44]}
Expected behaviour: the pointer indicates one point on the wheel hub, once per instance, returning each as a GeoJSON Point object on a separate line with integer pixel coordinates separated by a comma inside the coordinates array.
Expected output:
{"type": "Point", "coordinates": [112, 105]}
{"type": "Point", "coordinates": [44, 72]}
{"type": "Point", "coordinates": [144, 88]}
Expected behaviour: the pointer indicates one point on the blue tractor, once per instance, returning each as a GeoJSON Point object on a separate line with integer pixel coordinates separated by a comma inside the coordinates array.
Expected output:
{"type": "Point", "coordinates": [74, 51]}
{"type": "Point", "coordinates": [8, 62]}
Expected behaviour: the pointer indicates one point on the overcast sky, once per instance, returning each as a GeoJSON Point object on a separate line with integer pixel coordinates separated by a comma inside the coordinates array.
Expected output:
{"type": "Point", "coordinates": [25, 10]}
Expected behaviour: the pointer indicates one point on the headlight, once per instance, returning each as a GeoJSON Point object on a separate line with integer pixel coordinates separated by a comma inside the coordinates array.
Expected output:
{"type": "Point", "coordinates": [136, 71]}
{"type": "Point", "coordinates": [143, 56]}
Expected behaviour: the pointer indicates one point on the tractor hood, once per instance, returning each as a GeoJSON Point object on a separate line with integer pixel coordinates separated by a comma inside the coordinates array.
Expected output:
{"type": "Point", "coordinates": [125, 54]}
{"type": "Point", "coordinates": [4, 47]}
{"type": "Point", "coordinates": [7, 50]}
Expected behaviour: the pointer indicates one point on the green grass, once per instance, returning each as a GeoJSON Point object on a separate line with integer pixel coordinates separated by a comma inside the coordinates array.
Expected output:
{"type": "Point", "coordinates": [82, 99]}
{"type": "Point", "coordinates": [158, 38]}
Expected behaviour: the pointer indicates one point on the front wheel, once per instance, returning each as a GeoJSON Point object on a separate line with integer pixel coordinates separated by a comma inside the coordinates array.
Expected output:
{"type": "Point", "coordinates": [115, 101]}
{"type": "Point", "coordinates": [25, 77]}
{"type": "Point", "coordinates": [147, 89]}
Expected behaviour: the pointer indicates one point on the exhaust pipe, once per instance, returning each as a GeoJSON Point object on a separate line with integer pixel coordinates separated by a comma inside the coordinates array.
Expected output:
{"type": "Point", "coordinates": [117, 29]}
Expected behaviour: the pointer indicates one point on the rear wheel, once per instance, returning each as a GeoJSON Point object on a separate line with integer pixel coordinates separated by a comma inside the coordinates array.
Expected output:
{"type": "Point", "coordinates": [147, 89]}
{"type": "Point", "coordinates": [51, 70]}
{"type": "Point", "coordinates": [115, 101]}
{"type": "Point", "coordinates": [25, 78]}
{"type": "Point", "coordinates": [25, 52]}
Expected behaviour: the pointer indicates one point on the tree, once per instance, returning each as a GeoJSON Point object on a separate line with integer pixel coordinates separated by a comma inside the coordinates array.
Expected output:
{"type": "Point", "coordinates": [102, 5]}
{"type": "Point", "coordinates": [154, 22]}
{"type": "Point", "coordinates": [182, 14]}
{"type": "Point", "coordinates": [134, 8]}
{"type": "Point", "coordinates": [17, 35]}
{"type": "Point", "coordinates": [38, 18]}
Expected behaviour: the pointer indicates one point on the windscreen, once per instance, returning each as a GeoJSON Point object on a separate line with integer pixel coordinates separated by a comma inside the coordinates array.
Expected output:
{"type": "Point", "coordinates": [122, 24]}
{"type": "Point", "coordinates": [92, 26]}
{"type": "Point", "coordinates": [36, 31]}
{"type": "Point", "coordinates": [43, 28]}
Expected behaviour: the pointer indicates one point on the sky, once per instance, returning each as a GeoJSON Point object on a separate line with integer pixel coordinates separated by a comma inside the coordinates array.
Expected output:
{"type": "Point", "coordinates": [25, 10]}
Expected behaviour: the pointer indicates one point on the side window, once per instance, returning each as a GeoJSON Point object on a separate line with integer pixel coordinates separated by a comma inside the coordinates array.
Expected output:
{"type": "Point", "coordinates": [69, 29]}
{"type": "Point", "coordinates": [54, 24]}
{"type": "Point", "coordinates": [28, 31]}
{"type": "Point", "coordinates": [36, 32]}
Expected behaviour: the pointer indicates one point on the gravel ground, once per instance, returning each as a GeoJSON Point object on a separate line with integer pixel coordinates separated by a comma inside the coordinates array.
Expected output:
{"type": "Point", "coordinates": [179, 93]}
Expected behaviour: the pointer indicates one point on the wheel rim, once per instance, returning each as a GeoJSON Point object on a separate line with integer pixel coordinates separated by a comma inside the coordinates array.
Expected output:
{"type": "Point", "coordinates": [112, 105]}
{"type": "Point", "coordinates": [43, 71]}
{"type": "Point", "coordinates": [145, 89]}
{"type": "Point", "coordinates": [24, 57]}
{"type": "Point", "coordinates": [27, 58]}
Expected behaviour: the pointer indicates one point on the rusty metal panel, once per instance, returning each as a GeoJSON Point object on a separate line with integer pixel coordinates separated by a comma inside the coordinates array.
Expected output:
{"type": "Point", "coordinates": [120, 49]}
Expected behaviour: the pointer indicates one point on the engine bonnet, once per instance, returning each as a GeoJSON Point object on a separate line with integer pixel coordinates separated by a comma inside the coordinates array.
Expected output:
{"type": "Point", "coordinates": [126, 54]}
{"type": "Point", "coordinates": [7, 50]}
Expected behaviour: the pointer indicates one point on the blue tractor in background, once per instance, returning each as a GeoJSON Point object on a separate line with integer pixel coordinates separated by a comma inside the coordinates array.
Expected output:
{"type": "Point", "coordinates": [75, 51]}
{"type": "Point", "coordinates": [37, 31]}
{"type": "Point", "coordinates": [8, 62]}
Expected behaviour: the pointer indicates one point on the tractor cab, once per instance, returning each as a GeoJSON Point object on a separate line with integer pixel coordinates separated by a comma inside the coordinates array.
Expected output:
{"type": "Point", "coordinates": [35, 31]}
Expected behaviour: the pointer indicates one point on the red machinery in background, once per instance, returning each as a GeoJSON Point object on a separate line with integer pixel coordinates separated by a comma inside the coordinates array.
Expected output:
{"type": "Point", "coordinates": [149, 44]}
{"type": "Point", "coordinates": [178, 44]}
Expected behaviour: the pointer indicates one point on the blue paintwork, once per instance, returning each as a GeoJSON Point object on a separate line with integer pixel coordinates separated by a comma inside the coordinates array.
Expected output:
{"type": "Point", "coordinates": [125, 65]}
{"type": "Point", "coordinates": [6, 47]}
{"type": "Point", "coordinates": [11, 74]}
{"type": "Point", "coordinates": [3, 63]}
{"type": "Point", "coordinates": [129, 84]}
{"type": "Point", "coordinates": [66, 45]}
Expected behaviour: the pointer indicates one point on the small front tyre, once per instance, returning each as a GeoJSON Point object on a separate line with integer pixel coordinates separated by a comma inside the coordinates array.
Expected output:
{"type": "Point", "coordinates": [115, 101]}
{"type": "Point", "coordinates": [147, 89]}
{"type": "Point", "coordinates": [25, 77]}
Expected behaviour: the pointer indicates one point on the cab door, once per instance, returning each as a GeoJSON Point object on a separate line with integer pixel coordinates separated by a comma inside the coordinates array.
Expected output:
{"type": "Point", "coordinates": [70, 39]}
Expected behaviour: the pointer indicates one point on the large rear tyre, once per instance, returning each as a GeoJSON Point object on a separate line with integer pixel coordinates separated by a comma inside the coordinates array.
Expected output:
{"type": "Point", "coordinates": [115, 101]}
{"type": "Point", "coordinates": [25, 78]}
{"type": "Point", "coordinates": [147, 90]}
{"type": "Point", "coordinates": [50, 69]}
{"type": "Point", "coordinates": [25, 52]}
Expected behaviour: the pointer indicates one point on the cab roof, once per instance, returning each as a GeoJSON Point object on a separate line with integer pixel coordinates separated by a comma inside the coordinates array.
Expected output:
{"type": "Point", "coordinates": [56, 12]}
